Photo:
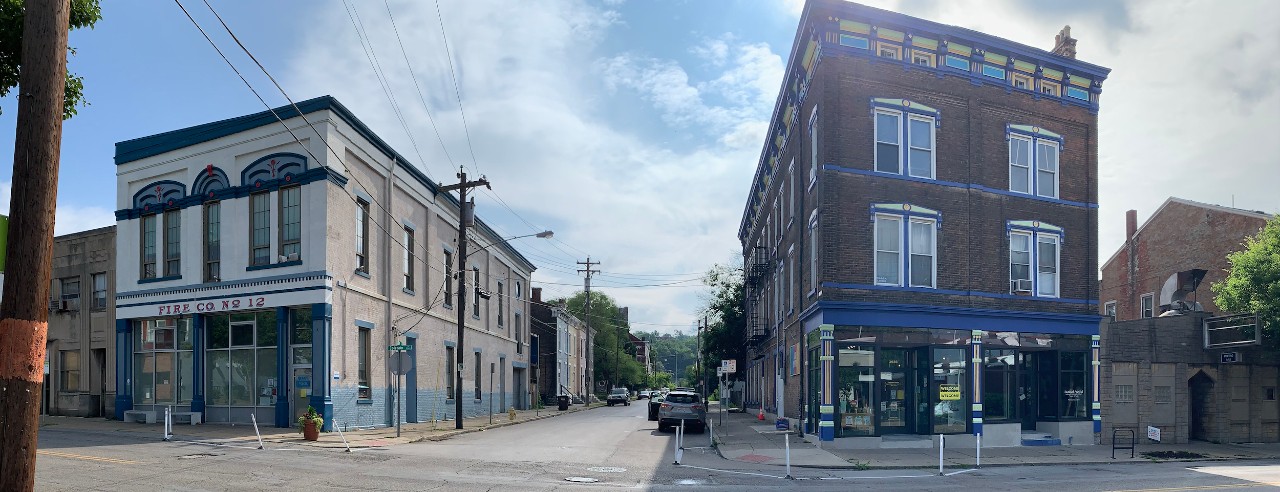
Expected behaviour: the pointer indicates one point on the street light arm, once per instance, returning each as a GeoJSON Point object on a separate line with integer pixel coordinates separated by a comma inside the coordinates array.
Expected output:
{"type": "Point", "coordinates": [540, 235]}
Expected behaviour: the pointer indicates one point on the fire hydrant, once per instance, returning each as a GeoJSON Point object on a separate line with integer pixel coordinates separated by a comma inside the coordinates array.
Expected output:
{"type": "Point", "coordinates": [511, 412]}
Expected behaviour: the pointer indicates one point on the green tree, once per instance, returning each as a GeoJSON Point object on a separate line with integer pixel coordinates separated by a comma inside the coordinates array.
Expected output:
{"type": "Point", "coordinates": [84, 13]}
{"type": "Point", "coordinates": [1253, 281]}
{"type": "Point", "coordinates": [614, 362]}
{"type": "Point", "coordinates": [726, 322]}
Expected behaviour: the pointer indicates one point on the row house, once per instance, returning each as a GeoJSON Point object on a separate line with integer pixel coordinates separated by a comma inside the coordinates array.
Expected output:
{"type": "Point", "coordinates": [919, 239]}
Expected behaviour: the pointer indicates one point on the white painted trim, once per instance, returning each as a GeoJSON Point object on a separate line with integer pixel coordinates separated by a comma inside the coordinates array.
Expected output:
{"type": "Point", "coordinates": [875, 249]}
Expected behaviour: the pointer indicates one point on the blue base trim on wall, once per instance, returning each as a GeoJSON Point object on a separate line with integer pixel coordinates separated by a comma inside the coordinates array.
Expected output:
{"type": "Point", "coordinates": [950, 318]}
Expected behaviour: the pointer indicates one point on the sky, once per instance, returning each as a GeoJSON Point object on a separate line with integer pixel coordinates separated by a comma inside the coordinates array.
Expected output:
{"type": "Point", "coordinates": [633, 128]}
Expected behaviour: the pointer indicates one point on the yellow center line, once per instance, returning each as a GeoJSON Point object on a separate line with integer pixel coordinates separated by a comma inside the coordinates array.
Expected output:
{"type": "Point", "coordinates": [84, 457]}
{"type": "Point", "coordinates": [1202, 487]}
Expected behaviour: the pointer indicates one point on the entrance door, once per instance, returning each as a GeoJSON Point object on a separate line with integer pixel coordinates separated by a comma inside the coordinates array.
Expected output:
{"type": "Point", "coordinates": [897, 379]}
{"type": "Point", "coordinates": [1027, 398]}
{"type": "Point", "coordinates": [502, 384]}
{"type": "Point", "coordinates": [1201, 387]}
{"type": "Point", "coordinates": [300, 379]}
{"type": "Point", "coordinates": [920, 402]}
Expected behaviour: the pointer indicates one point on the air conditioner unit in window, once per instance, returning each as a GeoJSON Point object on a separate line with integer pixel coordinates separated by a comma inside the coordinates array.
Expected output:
{"type": "Point", "coordinates": [55, 304]}
{"type": "Point", "coordinates": [282, 259]}
{"type": "Point", "coordinates": [1020, 286]}
{"type": "Point", "coordinates": [292, 257]}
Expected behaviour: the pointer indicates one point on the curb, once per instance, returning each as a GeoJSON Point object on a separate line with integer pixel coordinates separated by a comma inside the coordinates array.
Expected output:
{"type": "Point", "coordinates": [1003, 465]}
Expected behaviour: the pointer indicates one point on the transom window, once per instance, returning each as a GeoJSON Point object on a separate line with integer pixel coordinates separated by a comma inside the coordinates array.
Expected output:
{"type": "Point", "coordinates": [892, 129]}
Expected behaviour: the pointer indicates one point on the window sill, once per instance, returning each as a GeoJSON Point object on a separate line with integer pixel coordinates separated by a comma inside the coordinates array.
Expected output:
{"type": "Point", "coordinates": [363, 273]}
{"type": "Point", "coordinates": [364, 402]}
{"type": "Point", "coordinates": [408, 291]}
{"type": "Point", "coordinates": [159, 279]}
{"type": "Point", "coordinates": [273, 265]}
{"type": "Point", "coordinates": [812, 292]}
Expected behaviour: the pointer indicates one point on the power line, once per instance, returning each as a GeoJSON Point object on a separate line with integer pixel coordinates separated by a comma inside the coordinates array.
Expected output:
{"type": "Point", "coordinates": [457, 93]}
{"type": "Point", "coordinates": [417, 85]}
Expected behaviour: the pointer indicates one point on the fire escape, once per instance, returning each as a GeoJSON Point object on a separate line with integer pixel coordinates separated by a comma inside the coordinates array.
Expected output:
{"type": "Point", "coordinates": [757, 276]}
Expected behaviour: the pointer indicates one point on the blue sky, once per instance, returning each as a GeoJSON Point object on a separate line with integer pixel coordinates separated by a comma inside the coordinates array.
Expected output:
{"type": "Point", "coordinates": [633, 128]}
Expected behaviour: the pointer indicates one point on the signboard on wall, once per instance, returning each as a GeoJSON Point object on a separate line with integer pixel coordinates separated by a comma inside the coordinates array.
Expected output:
{"type": "Point", "coordinates": [1153, 433]}
{"type": "Point", "coordinates": [182, 301]}
{"type": "Point", "coordinates": [948, 392]}
{"type": "Point", "coordinates": [1229, 357]}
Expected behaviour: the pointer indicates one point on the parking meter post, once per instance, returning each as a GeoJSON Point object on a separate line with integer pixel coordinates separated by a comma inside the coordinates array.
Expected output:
{"type": "Point", "coordinates": [786, 439]}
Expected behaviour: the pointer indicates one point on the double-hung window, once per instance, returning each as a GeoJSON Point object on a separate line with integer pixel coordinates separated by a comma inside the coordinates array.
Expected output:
{"type": "Point", "coordinates": [408, 258]}
{"type": "Point", "coordinates": [448, 278]}
{"type": "Point", "coordinates": [813, 253]}
{"type": "Point", "coordinates": [906, 247]}
{"type": "Point", "coordinates": [291, 223]}
{"type": "Point", "coordinates": [1033, 160]}
{"type": "Point", "coordinates": [813, 147]}
{"type": "Point", "coordinates": [173, 243]}
{"type": "Point", "coordinates": [260, 229]}
{"type": "Point", "coordinates": [148, 232]}
{"type": "Point", "coordinates": [99, 290]}
{"type": "Point", "coordinates": [362, 236]}
{"type": "Point", "coordinates": [475, 288]}
{"type": "Point", "coordinates": [365, 356]}
{"type": "Point", "coordinates": [213, 242]}
{"type": "Point", "coordinates": [1034, 258]}
{"type": "Point", "coordinates": [905, 138]}
{"type": "Point", "coordinates": [500, 302]}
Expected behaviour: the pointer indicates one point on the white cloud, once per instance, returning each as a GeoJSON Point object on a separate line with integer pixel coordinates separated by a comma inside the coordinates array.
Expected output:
{"type": "Point", "coordinates": [69, 217]}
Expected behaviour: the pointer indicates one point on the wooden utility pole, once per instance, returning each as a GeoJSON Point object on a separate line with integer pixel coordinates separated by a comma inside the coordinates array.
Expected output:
{"type": "Point", "coordinates": [24, 310]}
{"type": "Point", "coordinates": [466, 218]}
{"type": "Point", "coordinates": [586, 319]}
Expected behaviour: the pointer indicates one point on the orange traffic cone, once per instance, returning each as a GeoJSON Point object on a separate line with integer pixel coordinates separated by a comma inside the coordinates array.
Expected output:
{"type": "Point", "coordinates": [761, 415]}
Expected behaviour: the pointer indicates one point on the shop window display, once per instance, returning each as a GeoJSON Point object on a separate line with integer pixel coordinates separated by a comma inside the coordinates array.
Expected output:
{"type": "Point", "coordinates": [854, 405]}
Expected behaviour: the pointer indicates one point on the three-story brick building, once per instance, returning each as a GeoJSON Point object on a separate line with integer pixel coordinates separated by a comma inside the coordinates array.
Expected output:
{"type": "Point", "coordinates": [266, 263]}
{"type": "Point", "coordinates": [920, 236]}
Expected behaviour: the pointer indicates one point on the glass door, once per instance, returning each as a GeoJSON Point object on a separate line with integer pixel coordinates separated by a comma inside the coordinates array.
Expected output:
{"type": "Point", "coordinates": [947, 390]}
{"type": "Point", "coordinates": [300, 380]}
{"type": "Point", "coordinates": [855, 381]}
{"type": "Point", "coordinates": [1027, 399]}
{"type": "Point", "coordinates": [895, 391]}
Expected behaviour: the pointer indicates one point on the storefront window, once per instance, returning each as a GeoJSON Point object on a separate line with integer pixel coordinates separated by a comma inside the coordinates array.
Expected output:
{"type": "Point", "coordinates": [948, 386]}
{"type": "Point", "coordinates": [162, 361]}
{"type": "Point", "coordinates": [241, 359]}
{"type": "Point", "coordinates": [854, 390]}
{"type": "Point", "coordinates": [999, 385]}
{"type": "Point", "coordinates": [1074, 395]}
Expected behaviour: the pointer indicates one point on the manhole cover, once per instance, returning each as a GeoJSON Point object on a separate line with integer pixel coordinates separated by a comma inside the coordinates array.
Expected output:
{"type": "Point", "coordinates": [581, 480]}
{"type": "Point", "coordinates": [606, 469]}
{"type": "Point", "coordinates": [197, 455]}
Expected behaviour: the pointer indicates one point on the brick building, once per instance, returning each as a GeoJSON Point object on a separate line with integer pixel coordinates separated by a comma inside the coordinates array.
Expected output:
{"type": "Point", "coordinates": [1181, 236]}
{"type": "Point", "coordinates": [81, 345]}
{"type": "Point", "coordinates": [926, 198]}
{"type": "Point", "coordinates": [266, 263]}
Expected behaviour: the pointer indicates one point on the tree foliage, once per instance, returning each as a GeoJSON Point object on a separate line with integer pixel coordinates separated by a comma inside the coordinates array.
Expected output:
{"type": "Point", "coordinates": [726, 321]}
{"type": "Point", "coordinates": [614, 362]}
{"type": "Point", "coordinates": [84, 13]}
{"type": "Point", "coordinates": [1253, 282]}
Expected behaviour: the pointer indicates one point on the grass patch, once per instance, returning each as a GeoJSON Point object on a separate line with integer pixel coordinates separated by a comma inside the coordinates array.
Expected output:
{"type": "Point", "coordinates": [1172, 455]}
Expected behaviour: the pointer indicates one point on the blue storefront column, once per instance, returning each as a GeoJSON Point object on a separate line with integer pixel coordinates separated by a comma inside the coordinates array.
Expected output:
{"type": "Point", "coordinates": [975, 369]}
{"type": "Point", "coordinates": [124, 388]}
{"type": "Point", "coordinates": [410, 390]}
{"type": "Point", "coordinates": [282, 367]}
{"type": "Point", "coordinates": [1097, 384]}
{"type": "Point", "coordinates": [827, 407]}
{"type": "Point", "coordinates": [197, 365]}
{"type": "Point", "coordinates": [321, 382]}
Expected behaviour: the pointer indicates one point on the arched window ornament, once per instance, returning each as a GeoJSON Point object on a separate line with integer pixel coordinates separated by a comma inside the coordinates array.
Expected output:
{"type": "Point", "coordinates": [282, 166]}
{"type": "Point", "coordinates": [210, 181]}
{"type": "Point", "coordinates": [158, 195]}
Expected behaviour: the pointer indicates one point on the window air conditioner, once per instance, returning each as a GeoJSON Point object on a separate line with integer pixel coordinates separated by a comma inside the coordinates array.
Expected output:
{"type": "Point", "coordinates": [1021, 286]}
{"type": "Point", "coordinates": [55, 304]}
{"type": "Point", "coordinates": [292, 257]}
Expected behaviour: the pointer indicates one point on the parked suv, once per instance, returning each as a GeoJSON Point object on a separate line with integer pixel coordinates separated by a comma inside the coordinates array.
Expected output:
{"type": "Point", "coordinates": [682, 406]}
{"type": "Point", "coordinates": [619, 395]}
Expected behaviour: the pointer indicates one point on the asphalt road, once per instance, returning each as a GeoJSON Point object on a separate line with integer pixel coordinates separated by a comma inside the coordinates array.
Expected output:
{"type": "Point", "coordinates": [608, 448]}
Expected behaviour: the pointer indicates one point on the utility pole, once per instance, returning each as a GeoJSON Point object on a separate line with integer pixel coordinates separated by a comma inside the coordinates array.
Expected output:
{"type": "Point", "coordinates": [24, 310]}
{"type": "Point", "coordinates": [697, 382]}
{"type": "Point", "coordinates": [586, 318]}
{"type": "Point", "coordinates": [466, 218]}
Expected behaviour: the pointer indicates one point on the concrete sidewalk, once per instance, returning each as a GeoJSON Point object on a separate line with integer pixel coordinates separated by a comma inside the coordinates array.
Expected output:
{"type": "Point", "coordinates": [744, 438]}
{"type": "Point", "coordinates": [243, 434]}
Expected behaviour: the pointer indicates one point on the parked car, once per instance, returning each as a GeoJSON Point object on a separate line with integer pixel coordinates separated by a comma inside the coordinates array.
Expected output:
{"type": "Point", "coordinates": [619, 395]}
{"type": "Point", "coordinates": [654, 403]}
{"type": "Point", "coordinates": [682, 407]}
{"type": "Point", "coordinates": [643, 394]}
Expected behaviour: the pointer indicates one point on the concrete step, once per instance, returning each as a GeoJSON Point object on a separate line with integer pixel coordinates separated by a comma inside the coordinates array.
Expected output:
{"type": "Point", "coordinates": [906, 442]}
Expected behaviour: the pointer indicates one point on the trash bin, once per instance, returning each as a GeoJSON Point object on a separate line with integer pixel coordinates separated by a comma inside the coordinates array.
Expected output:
{"type": "Point", "coordinates": [562, 402]}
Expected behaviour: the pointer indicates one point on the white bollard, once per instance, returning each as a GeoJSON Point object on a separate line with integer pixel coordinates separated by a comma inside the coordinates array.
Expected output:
{"type": "Point", "coordinates": [344, 438]}
{"type": "Point", "coordinates": [786, 439]}
{"type": "Point", "coordinates": [254, 418]}
{"type": "Point", "coordinates": [978, 463]}
{"type": "Point", "coordinates": [942, 444]}
{"type": "Point", "coordinates": [676, 442]}
{"type": "Point", "coordinates": [168, 429]}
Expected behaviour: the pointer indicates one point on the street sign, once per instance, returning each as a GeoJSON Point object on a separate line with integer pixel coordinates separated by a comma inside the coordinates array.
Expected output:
{"type": "Point", "coordinates": [1153, 433]}
{"type": "Point", "coordinates": [730, 366]}
{"type": "Point", "coordinates": [719, 372]}
{"type": "Point", "coordinates": [400, 363]}
{"type": "Point", "coordinates": [398, 348]}
{"type": "Point", "coordinates": [1230, 357]}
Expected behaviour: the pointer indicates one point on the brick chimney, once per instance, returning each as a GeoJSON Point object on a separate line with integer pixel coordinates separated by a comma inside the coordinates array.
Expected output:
{"type": "Point", "coordinates": [1064, 44]}
{"type": "Point", "coordinates": [1130, 224]}
{"type": "Point", "coordinates": [537, 294]}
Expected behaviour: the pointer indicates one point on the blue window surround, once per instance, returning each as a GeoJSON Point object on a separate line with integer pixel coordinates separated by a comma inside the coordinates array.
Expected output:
{"type": "Point", "coordinates": [954, 184]}
{"type": "Point", "coordinates": [855, 41]}
{"type": "Point", "coordinates": [1078, 93]}
{"type": "Point", "coordinates": [1037, 135]}
{"type": "Point", "coordinates": [993, 72]}
{"type": "Point", "coordinates": [906, 212]}
{"type": "Point", "coordinates": [1037, 229]}
{"type": "Point", "coordinates": [907, 109]}
{"type": "Point", "coordinates": [368, 325]}
{"type": "Point", "coordinates": [957, 62]}
{"type": "Point", "coordinates": [273, 265]}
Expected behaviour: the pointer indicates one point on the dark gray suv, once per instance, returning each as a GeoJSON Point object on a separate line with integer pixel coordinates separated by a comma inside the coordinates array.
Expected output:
{"type": "Point", "coordinates": [682, 406]}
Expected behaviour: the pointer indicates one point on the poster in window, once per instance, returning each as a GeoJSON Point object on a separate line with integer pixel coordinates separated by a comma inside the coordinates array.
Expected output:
{"type": "Point", "coordinates": [794, 360]}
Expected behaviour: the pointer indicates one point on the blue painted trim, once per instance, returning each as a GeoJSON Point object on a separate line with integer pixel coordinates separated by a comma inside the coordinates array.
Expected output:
{"type": "Point", "coordinates": [321, 362]}
{"type": "Point", "coordinates": [362, 273]}
{"type": "Point", "coordinates": [1010, 130]}
{"type": "Point", "coordinates": [249, 175]}
{"type": "Point", "coordinates": [197, 364]}
{"type": "Point", "coordinates": [167, 199]}
{"type": "Point", "coordinates": [450, 344]}
{"type": "Point", "coordinates": [159, 279]}
{"type": "Point", "coordinates": [407, 291]}
{"type": "Point", "coordinates": [228, 296]}
{"type": "Point", "coordinates": [408, 224]}
{"type": "Point", "coordinates": [954, 184]}
{"type": "Point", "coordinates": [993, 72]}
{"type": "Point", "coordinates": [368, 325]}
{"type": "Point", "coordinates": [477, 349]}
{"type": "Point", "coordinates": [846, 313]}
{"type": "Point", "coordinates": [364, 402]}
{"type": "Point", "coordinates": [207, 185]}
{"type": "Point", "coordinates": [362, 195]}
{"type": "Point", "coordinates": [411, 334]}
{"type": "Point", "coordinates": [306, 177]}
{"type": "Point", "coordinates": [519, 365]}
{"type": "Point", "coordinates": [228, 284]}
{"type": "Point", "coordinates": [124, 352]}
{"type": "Point", "coordinates": [411, 381]}
{"type": "Point", "coordinates": [283, 370]}
{"type": "Point", "coordinates": [925, 290]}
{"type": "Point", "coordinates": [273, 265]}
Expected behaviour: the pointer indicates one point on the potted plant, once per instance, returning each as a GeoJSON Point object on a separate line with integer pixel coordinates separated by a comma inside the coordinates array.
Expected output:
{"type": "Point", "coordinates": [310, 423]}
